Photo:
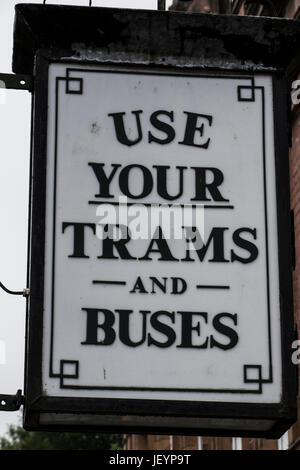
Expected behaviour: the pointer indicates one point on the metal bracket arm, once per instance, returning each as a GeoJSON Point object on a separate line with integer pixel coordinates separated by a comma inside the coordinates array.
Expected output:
{"type": "Point", "coordinates": [16, 81]}
{"type": "Point", "coordinates": [11, 402]}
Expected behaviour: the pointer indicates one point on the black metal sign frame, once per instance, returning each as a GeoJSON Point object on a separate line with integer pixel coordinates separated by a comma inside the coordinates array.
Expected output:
{"type": "Point", "coordinates": [38, 405]}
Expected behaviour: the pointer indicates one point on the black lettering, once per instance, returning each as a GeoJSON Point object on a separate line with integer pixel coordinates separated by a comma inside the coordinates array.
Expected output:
{"type": "Point", "coordinates": [162, 178]}
{"type": "Point", "coordinates": [162, 328]}
{"type": "Point", "coordinates": [124, 328]}
{"type": "Point", "coordinates": [92, 327]}
{"type": "Point", "coordinates": [202, 186]}
{"type": "Point", "coordinates": [163, 127]}
{"type": "Point", "coordinates": [78, 244]}
{"type": "Point", "coordinates": [188, 328]}
{"type": "Point", "coordinates": [217, 236]}
{"type": "Point", "coordinates": [192, 127]}
{"type": "Point", "coordinates": [109, 244]}
{"type": "Point", "coordinates": [245, 244]}
{"type": "Point", "coordinates": [156, 282]}
{"type": "Point", "coordinates": [224, 330]}
{"type": "Point", "coordinates": [139, 286]}
{"type": "Point", "coordinates": [103, 180]}
{"type": "Point", "coordinates": [162, 248]}
{"type": "Point", "coordinates": [177, 289]}
{"type": "Point", "coordinates": [147, 181]}
{"type": "Point", "coordinates": [120, 128]}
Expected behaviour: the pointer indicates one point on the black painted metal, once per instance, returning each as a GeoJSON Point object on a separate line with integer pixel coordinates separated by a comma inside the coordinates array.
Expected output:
{"type": "Point", "coordinates": [16, 81]}
{"type": "Point", "coordinates": [239, 42]}
{"type": "Point", "coordinates": [44, 35]}
{"type": "Point", "coordinates": [11, 402]}
{"type": "Point", "coordinates": [11, 292]}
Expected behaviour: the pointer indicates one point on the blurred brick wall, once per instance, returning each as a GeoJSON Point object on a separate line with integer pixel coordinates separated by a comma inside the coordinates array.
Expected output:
{"type": "Point", "coordinates": [294, 433]}
{"type": "Point", "coordinates": [157, 442]}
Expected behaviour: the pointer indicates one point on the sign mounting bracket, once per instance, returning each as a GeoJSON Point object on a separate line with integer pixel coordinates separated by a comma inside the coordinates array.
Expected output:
{"type": "Point", "coordinates": [11, 402]}
{"type": "Point", "coordinates": [13, 81]}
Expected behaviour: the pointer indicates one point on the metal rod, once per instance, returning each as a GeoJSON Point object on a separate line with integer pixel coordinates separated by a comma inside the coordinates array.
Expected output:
{"type": "Point", "coordinates": [24, 292]}
{"type": "Point", "coordinates": [161, 5]}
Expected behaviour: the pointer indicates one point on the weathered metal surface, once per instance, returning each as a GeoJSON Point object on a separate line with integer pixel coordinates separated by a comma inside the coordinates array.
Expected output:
{"type": "Point", "coordinates": [15, 82]}
{"type": "Point", "coordinates": [153, 38]}
{"type": "Point", "coordinates": [11, 402]}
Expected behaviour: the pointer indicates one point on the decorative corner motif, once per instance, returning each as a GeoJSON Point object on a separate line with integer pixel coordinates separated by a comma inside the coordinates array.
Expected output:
{"type": "Point", "coordinates": [68, 370]}
{"type": "Point", "coordinates": [74, 86]}
{"type": "Point", "coordinates": [253, 375]}
{"type": "Point", "coordinates": [246, 93]}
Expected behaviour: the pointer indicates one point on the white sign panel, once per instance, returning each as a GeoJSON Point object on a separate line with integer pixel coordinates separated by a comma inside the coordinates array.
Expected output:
{"type": "Point", "coordinates": [161, 266]}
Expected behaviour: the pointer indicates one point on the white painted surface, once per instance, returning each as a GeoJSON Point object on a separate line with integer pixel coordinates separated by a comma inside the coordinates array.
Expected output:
{"type": "Point", "coordinates": [236, 149]}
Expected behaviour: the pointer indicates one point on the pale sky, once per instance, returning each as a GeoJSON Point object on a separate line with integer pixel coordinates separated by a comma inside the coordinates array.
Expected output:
{"type": "Point", "coordinates": [14, 177]}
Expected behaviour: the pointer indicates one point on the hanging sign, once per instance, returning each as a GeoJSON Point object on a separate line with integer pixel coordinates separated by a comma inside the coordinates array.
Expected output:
{"type": "Point", "coordinates": [160, 215]}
